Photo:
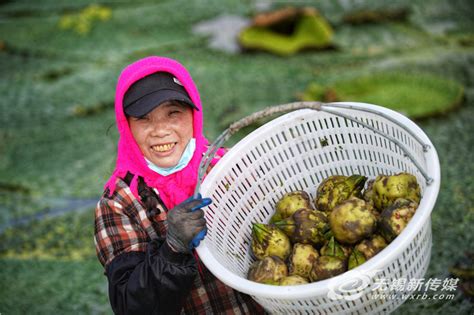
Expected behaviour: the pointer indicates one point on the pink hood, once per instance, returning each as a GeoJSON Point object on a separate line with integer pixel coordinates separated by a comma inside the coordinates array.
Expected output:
{"type": "Point", "coordinates": [173, 188]}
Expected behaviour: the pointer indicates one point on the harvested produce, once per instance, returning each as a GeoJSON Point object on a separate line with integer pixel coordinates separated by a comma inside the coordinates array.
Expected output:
{"type": "Point", "coordinates": [387, 189]}
{"type": "Point", "coordinates": [371, 246]}
{"type": "Point", "coordinates": [269, 270]}
{"type": "Point", "coordinates": [293, 280]}
{"type": "Point", "coordinates": [350, 226]}
{"type": "Point", "coordinates": [352, 221]}
{"type": "Point", "coordinates": [290, 203]}
{"type": "Point", "coordinates": [395, 218]}
{"type": "Point", "coordinates": [368, 194]}
{"type": "Point", "coordinates": [326, 267]}
{"type": "Point", "coordinates": [267, 240]}
{"type": "Point", "coordinates": [301, 259]}
{"type": "Point", "coordinates": [356, 259]}
{"type": "Point", "coordinates": [333, 248]}
{"type": "Point", "coordinates": [305, 226]}
{"type": "Point", "coordinates": [337, 188]}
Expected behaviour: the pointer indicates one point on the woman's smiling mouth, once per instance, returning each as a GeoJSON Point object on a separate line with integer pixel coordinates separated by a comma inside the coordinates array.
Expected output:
{"type": "Point", "coordinates": [163, 147]}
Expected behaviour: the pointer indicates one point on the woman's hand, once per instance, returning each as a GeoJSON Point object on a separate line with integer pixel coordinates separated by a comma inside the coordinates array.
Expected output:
{"type": "Point", "coordinates": [186, 224]}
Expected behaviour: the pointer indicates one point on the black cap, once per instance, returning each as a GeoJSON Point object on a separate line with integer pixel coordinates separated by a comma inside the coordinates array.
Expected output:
{"type": "Point", "coordinates": [147, 93]}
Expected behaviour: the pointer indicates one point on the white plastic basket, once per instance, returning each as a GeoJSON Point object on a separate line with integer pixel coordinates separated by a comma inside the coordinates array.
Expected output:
{"type": "Point", "coordinates": [295, 152]}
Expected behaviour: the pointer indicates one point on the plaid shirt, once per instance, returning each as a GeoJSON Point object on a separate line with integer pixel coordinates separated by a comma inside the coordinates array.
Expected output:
{"type": "Point", "coordinates": [123, 225]}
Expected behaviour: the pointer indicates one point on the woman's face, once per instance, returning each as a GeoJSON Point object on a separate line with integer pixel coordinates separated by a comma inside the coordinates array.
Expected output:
{"type": "Point", "coordinates": [163, 133]}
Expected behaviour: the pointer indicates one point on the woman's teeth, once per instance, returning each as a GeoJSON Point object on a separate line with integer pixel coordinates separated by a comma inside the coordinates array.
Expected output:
{"type": "Point", "coordinates": [163, 147]}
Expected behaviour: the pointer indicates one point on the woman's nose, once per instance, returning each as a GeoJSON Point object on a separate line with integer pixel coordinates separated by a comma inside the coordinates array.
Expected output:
{"type": "Point", "coordinates": [160, 129]}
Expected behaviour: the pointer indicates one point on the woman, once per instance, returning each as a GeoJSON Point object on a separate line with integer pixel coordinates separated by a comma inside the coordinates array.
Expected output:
{"type": "Point", "coordinates": [146, 224]}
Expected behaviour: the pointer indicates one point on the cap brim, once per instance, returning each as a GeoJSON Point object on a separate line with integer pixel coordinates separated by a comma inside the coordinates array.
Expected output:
{"type": "Point", "coordinates": [149, 102]}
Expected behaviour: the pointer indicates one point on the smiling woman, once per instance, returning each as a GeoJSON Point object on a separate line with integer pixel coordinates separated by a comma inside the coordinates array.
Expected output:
{"type": "Point", "coordinates": [146, 224]}
{"type": "Point", "coordinates": [164, 133]}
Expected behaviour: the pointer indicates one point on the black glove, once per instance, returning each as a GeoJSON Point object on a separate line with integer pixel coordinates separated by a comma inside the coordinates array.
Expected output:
{"type": "Point", "coordinates": [186, 224]}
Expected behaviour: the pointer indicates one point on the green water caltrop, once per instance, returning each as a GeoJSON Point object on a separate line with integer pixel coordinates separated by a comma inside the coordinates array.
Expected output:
{"type": "Point", "coordinates": [269, 270]}
{"type": "Point", "coordinates": [368, 194]}
{"type": "Point", "coordinates": [293, 280]}
{"type": "Point", "coordinates": [388, 188]}
{"type": "Point", "coordinates": [356, 259]}
{"type": "Point", "coordinates": [325, 267]}
{"type": "Point", "coordinates": [371, 246]}
{"type": "Point", "coordinates": [268, 240]}
{"type": "Point", "coordinates": [337, 188]}
{"type": "Point", "coordinates": [356, 225]}
{"type": "Point", "coordinates": [289, 204]}
{"type": "Point", "coordinates": [301, 259]}
{"type": "Point", "coordinates": [333, 248]}
{"type": "Point", "coordinates": [396, 217]}
{"type": "Point", "coordinates": [352, 220]}
{"type": "Point", "coordinates": [305, 226]}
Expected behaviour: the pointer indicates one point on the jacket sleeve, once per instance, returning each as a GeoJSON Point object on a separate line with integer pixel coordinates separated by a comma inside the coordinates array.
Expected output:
{"type": "Point", "coordinates": [154, 282]}
{"type": "Point", "coordinates": [145, 276]}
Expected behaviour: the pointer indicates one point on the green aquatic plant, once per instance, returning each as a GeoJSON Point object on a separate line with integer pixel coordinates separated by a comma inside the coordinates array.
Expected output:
{"type": "Point", "coordinates": [310, 31]}
{"type": "Point", "coordinates": [414, 94]}
{"type": "Point", "coordinates": [82, 22]}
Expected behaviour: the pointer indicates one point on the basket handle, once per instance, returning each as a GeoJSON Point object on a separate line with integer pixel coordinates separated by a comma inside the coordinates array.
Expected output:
{"type": "Point", "coordinates": [248, 120]}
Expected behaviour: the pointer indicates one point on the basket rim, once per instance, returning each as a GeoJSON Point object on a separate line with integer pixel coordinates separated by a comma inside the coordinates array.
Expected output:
{"type": "Point", "coordinates": [378, 262]}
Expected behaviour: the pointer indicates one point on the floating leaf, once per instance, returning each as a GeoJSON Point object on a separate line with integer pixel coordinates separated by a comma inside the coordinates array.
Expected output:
{"type": "Point", "coordinates": [414, 94]}
{"type": "Point", "coordinates": [291, 34]}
